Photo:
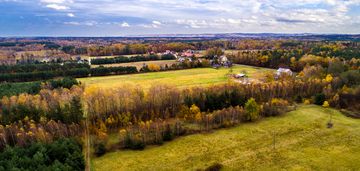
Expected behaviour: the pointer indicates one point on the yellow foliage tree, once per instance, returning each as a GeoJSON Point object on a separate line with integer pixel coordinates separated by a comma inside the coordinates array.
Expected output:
{"type": "Point", "coordinates": [154, 67]}
{"type": "Point", "coordinates": [194, 111]}
{"type": "Point", "coordinates": [326, 104]}
{"type": "Point", "coordinates": [264, 59]}
{"type": "Point", "coordinates": [329, 78]}
{"type": "Point", "coordinates": [307, 101]}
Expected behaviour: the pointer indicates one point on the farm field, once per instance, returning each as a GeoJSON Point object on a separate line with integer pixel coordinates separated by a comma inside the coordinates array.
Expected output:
{"type": "Point", "coordinates": [302, 142]}
{"type": "Point", "coordinates": [139, 65]}
{"type": "Point", "coordinates": [179, 78]}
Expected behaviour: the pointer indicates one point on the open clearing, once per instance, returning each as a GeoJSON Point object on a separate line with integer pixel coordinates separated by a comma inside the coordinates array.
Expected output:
{"type": "Point", "coordinates": [303, 142]}
{"type": "Point", "coordinates": [139, 65]}
{"type": "Point", "coordinates": [179, 78]}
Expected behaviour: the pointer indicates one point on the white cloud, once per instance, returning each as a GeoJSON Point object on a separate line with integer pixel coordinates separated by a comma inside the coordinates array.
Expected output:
{"type": "Point", "coordinates": [210, 15]}
{"type": "Point", "coordinates": [156, 22]}
{"type": "Point", "coordinates": [72, 23]}
{"type": "Point", "coordinates": [125, 24]}
{"type": "Point", "coordinates": [52, 1]}
{"type": "Point", "coordinates": [57, 7]}
{"type": "Point", "coordinates": [85, 23]}
{"type": "Point", "coordinates": [70, 15]}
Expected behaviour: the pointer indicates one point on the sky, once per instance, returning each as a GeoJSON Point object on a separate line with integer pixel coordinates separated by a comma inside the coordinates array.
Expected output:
{"type": "Point", "coordinates": [145, 17]}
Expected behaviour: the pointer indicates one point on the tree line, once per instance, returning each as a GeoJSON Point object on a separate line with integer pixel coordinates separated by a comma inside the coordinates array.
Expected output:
{"type": "Point", "coordinates": [138, 58]}
{"type": "Point", "coordinates": [296, 60]}
{"type": "Point", "coordinates": [11, 89]}
{"type": "Point", "coordinates": [36, 72]}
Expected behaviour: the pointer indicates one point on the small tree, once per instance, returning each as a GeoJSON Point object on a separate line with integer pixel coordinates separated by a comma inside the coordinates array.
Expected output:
{"type": "Point", "coordinates": [194, 111]}
{"type": "Point", "coordinates": [252, 110]}
{"type": "Point", "coordinates": [326, 105]}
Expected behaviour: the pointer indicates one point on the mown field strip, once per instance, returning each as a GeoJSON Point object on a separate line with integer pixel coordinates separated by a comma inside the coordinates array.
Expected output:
{"type": "Point", "coordinates": [303, 142]}
{"type": "Point", "coordinates": [179, 78]}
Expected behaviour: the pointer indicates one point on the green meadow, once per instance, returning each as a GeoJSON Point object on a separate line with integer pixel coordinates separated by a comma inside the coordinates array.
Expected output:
{"type": "Point", "coordinates": [178, 78]}
{"type": "Point", "coordinates": [298, 140]}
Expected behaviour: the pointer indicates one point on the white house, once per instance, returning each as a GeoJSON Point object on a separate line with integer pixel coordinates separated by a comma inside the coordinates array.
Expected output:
{"type": "Point", "coordinates": [281, 71]}
{"type": "Point", "coordinates": [223, 59]}
{"type": "Point", "coordinates": [240, 75]}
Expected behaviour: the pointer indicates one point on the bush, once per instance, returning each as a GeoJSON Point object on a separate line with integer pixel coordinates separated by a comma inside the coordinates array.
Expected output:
{"type": "Point", "coordinates": [100, 149]}
{"type": "Point", "coordinates": [134, 143]}
{"type": "Point", "coordinates": [138, 145]}
{"type": "Point", "coordinates": [214, 167]}
{"type": "Point", "coordinates": [252, 110]}
{"type": "Point", "coordinates": [168, 134]}
{"type": "Point", "coordinates": [307, 101]}
{"type": "Point", "coordinates": [298, 99]}
{"type": "Point", "coordinates": [319, 99]}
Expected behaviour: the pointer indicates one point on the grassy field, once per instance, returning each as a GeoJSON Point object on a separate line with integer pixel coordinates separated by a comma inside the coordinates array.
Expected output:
{"type": "Point", "coordinates": [179, 78]}
{"type": "Point", "coordinates": [302, 142]}
{"type": "Point", "coordinates": [139, 65]}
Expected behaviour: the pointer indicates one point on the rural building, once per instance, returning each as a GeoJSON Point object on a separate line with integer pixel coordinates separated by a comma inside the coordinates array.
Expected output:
{"type": "Point", "coordinates": [284, 71]}
{"type": "Point", "coordinates": [188, 53]}
{"type": "Point", "coordinates": [241, 75]}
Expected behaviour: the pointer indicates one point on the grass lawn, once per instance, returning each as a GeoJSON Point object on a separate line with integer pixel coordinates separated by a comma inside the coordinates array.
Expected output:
{"type": "Point", "coordinates": [179, 78]}
{"type": "Point", "coordinates": [139, 65]}
{"type": "Point", "coordinates": [302, 143]}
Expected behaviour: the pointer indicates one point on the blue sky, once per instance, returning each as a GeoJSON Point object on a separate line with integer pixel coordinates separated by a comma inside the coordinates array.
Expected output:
{"type": "Point", "coordinates": [141, 17]}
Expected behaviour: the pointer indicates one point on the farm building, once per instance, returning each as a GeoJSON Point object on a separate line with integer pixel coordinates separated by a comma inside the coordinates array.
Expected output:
{"type": "Point", "coordinates": [188, 53]}
{"type": "Point", "coordinates": [282, 71]}
{"type": "Point", "coordinates": [240, 75]}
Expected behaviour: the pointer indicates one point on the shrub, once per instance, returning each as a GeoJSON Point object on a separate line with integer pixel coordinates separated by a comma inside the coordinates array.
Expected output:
{"type": "Point", "coordinates": [326, 104]}
{"type": "Point", "coordinates": [275, 107]}
{"type": "Point", "coordinates": [168, 134]}
{"type": "Point", "coordinates": [154, 67]}
{"type": "Point", "coordinates": [306, 101]}
{"type": "Point", "coordinates": [298, 99]}
{"type": "Point", "coordinates": [319, 98]}
{"type": "Point", "coordinates": [100, 149]}
{"type": "Point", "coordinates": [134, 142]}
{"type": "Point", "coordinates": [252, 110]}
{"type": "Point", "coordinates": [214, 167]}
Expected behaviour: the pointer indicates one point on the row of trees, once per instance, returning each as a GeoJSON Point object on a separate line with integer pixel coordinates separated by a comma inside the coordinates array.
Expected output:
{"type": "Point", "coordinates": [26, 132]}
{"type": "Point", "coordinates": [11, 89]}
{"type": "Point", "coordinates": [187, 64]}
{"type": "Point", "coordinates": [123, 106]}
{"type": "Point", "coordinates": [344, 49]}
{"type": "Point", "coordinates": [296, 60]}
{"type": "Point", "coordinates": [140, 134]}
{"type": "Point", "coordinates": [23, 68]}
{"type": "Point", "coordinates": [76, 73]}
{"type": "Point", "coordinates": [123, 59]}
{"type": "Point", "coordinates": [60, 104]}
{"type": "Point", "coordinates": [126, 49]}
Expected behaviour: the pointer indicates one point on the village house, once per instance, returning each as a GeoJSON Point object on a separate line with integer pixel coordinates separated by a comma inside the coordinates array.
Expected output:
{"type": "Point", "coordinates": [241, 75]}
{"type": "Point", "coordinates": [169, 52]}
{"type": "Point", "coordinates": [220, 61]}
{"type": "Point", "coordinates": [189, 53]}
{"type": "Point", "coordinates": [283, 71]}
